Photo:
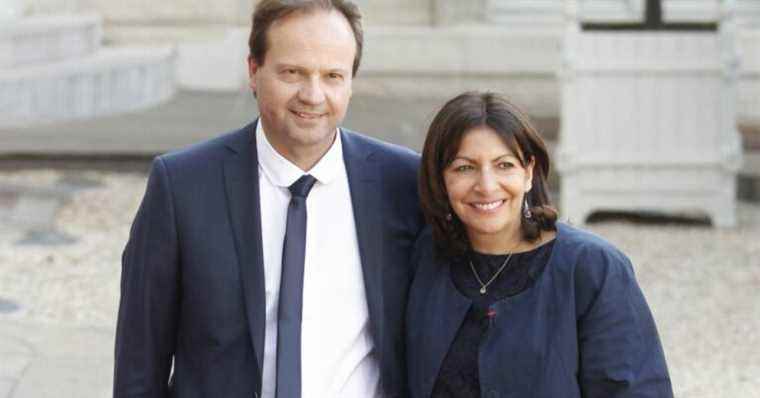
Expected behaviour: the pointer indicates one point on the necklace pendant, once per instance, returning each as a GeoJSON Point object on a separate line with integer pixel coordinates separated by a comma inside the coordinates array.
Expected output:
{"type": "Point", "coordinates": [483, 290]}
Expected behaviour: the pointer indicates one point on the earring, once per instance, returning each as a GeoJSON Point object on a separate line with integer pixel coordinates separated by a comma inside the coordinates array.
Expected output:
{"type": "Point", "coordinates": [449, 217]}
{"type": "Point", "coordinates": [527, 214]}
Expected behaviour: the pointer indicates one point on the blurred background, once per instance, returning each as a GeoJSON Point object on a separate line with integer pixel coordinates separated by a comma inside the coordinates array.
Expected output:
{"type": "Point", "coordinates": [652, 119]}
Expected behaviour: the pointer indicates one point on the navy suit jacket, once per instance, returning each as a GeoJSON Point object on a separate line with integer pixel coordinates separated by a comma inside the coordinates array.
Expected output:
{"type": "Point", "coordinates": [192, 286]}
{"type": "Point", "coordinates": [582, 330]}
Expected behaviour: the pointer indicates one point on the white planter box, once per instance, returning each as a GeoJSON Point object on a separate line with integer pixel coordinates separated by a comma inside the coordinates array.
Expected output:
{"type": "Point", "coordinates": [649, 124]}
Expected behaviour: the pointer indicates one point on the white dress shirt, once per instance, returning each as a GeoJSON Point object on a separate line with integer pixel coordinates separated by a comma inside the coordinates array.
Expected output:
{"type": "Point", "coordinates": [337, 358]}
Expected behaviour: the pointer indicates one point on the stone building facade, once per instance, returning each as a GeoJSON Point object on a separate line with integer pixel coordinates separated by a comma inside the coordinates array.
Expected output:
{"type": "Point", "coordinates": [417, 47]}
{"type": "Point", "coordinates": [431, 48]}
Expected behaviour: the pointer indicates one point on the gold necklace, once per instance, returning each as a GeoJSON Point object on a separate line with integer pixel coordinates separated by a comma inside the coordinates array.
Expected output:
{"type": "Point", "coordinates": [484, 286]}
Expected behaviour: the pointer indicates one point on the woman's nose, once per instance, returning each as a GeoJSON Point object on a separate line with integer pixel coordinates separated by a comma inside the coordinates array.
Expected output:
{"type": "Point", "coordinates": [487, 181]}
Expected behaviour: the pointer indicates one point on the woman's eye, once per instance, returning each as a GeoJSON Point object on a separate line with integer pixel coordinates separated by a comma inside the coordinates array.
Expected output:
{"type": "Point", "coordinates": [462, 168]}
{"type": "Point", "coordinates": [506, 165]}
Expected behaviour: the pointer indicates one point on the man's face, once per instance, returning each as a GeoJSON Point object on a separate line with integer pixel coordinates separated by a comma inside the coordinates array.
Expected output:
{"type": "Point", "coordinates": [304, 85]}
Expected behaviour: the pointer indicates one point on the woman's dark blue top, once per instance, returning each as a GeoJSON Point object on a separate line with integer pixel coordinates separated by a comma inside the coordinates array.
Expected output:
{"type": "Point", "coordinates": [580, 329]}
{"type": "Point", "coordinates": [458, 376]}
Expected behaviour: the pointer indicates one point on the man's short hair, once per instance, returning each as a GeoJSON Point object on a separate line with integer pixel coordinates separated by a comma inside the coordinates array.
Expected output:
{"type": "Point", "coordinates": [268, 11]}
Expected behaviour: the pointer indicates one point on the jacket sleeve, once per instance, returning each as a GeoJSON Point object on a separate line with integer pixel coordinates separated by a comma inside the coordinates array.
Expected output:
{"type": "Point", "coordinates": [149, 304]}
{"type": "Point", "coordinates": [619, 348]}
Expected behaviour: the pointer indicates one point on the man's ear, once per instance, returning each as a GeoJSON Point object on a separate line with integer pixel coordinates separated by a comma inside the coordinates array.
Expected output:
{"type": "Point", "coordinates": [253, 67]}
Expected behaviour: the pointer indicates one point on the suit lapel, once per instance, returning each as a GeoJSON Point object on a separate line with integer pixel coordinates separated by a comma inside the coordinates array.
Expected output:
{"type": "Point", "coordinates": [364, 184]}
{"type": "Point", "coordinates": [242, 188]}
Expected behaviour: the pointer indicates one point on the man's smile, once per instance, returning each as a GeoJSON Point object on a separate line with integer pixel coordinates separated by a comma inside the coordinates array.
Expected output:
{"type": "Point", "coordinates": [308, 115]}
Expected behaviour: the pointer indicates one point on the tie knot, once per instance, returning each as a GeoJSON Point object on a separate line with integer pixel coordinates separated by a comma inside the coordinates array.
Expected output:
{"type": "Point", "coordinates": [302, 186]}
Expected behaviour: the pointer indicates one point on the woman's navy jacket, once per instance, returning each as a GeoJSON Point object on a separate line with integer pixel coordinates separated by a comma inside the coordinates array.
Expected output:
{"type": "Point", "coordinates": [583, 330]}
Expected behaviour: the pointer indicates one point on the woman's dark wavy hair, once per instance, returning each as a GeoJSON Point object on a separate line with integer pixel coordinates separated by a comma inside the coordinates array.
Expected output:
{"type": "Point", "coordinates": [458, 116]}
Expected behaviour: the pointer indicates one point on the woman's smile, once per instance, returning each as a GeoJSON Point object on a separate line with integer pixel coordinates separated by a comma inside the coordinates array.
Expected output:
{"type": "Point", "coordinates": [488, 207]}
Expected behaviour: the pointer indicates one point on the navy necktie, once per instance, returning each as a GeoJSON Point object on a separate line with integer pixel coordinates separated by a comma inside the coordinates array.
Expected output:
{"type": "Point", "coordinates": [291, 292]}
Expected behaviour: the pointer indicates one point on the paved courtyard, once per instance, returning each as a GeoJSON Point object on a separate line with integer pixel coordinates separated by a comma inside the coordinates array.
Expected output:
{"type": "Point", "coordinates": [62, 231]}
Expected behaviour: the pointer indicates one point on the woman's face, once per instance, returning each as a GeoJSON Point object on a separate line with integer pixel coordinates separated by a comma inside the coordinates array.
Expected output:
{"type": "Point", "coordinates": [486, 184]}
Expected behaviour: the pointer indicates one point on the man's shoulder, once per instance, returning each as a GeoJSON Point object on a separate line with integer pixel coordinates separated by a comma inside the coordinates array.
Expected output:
{"type": "Point", "coordinates": [380, 150]}
{"type": "Point", "coordinates": [397, 164]}
{"type": "Point", "coordinates": [210, 150]}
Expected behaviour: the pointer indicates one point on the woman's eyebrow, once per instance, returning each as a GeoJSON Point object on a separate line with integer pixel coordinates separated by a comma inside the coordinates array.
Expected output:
{"type": "Point", "coordinates": [471, 160]}
{"type": "Point", "coordinates": [506, 155]}
{"type": "Point", "coordinates": [459, 157]}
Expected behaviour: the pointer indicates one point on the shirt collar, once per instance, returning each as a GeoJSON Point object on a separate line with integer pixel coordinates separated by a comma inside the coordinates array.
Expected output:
{"type": "Point", "coordinates": [282, 172]}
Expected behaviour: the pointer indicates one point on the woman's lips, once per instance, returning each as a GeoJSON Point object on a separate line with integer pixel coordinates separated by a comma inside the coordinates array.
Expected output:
{"type": "Point", "coordinates": [487, 206]}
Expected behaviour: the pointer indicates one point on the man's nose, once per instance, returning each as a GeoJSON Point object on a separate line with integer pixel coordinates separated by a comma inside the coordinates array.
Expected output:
{"type": "Point", "coordinates": [311, 92]}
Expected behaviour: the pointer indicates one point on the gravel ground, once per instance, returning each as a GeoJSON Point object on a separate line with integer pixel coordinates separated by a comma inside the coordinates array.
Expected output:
{"type": "Point", "coordinates": [703, 284]}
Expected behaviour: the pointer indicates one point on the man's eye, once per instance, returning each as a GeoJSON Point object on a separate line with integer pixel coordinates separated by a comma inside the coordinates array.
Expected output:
{"type": "Point", "coordinates": [335, 76]}
{"type": "Point", "coordinates": [289, 71]}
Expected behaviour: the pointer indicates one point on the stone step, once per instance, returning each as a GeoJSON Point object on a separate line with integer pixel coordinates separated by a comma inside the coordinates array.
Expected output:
{"type": "Point", "coordinates": [40, 40]}
{"type": "Point", "coordinates": [113, 80]}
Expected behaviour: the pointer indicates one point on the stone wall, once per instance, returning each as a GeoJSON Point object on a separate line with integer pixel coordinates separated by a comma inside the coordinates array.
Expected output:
{"type": "Point", "coordinates": [396, 12]}
{"type": "Point", "coordinates": [148, 13]}
{"type": "Point", "coordinates": [430, 48]}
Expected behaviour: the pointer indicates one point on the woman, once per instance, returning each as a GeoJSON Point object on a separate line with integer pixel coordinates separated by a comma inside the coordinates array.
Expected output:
{"type": "Point", "coordinates": [506, 301]}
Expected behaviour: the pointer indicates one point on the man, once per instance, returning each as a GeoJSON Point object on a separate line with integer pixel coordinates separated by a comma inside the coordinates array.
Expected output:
{"type": "Point", "coordinates": [274, 261]}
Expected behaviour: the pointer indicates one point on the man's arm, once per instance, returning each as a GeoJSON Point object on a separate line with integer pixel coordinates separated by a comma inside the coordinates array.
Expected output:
{"type": "Point", "coordinates": [148, 311]}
